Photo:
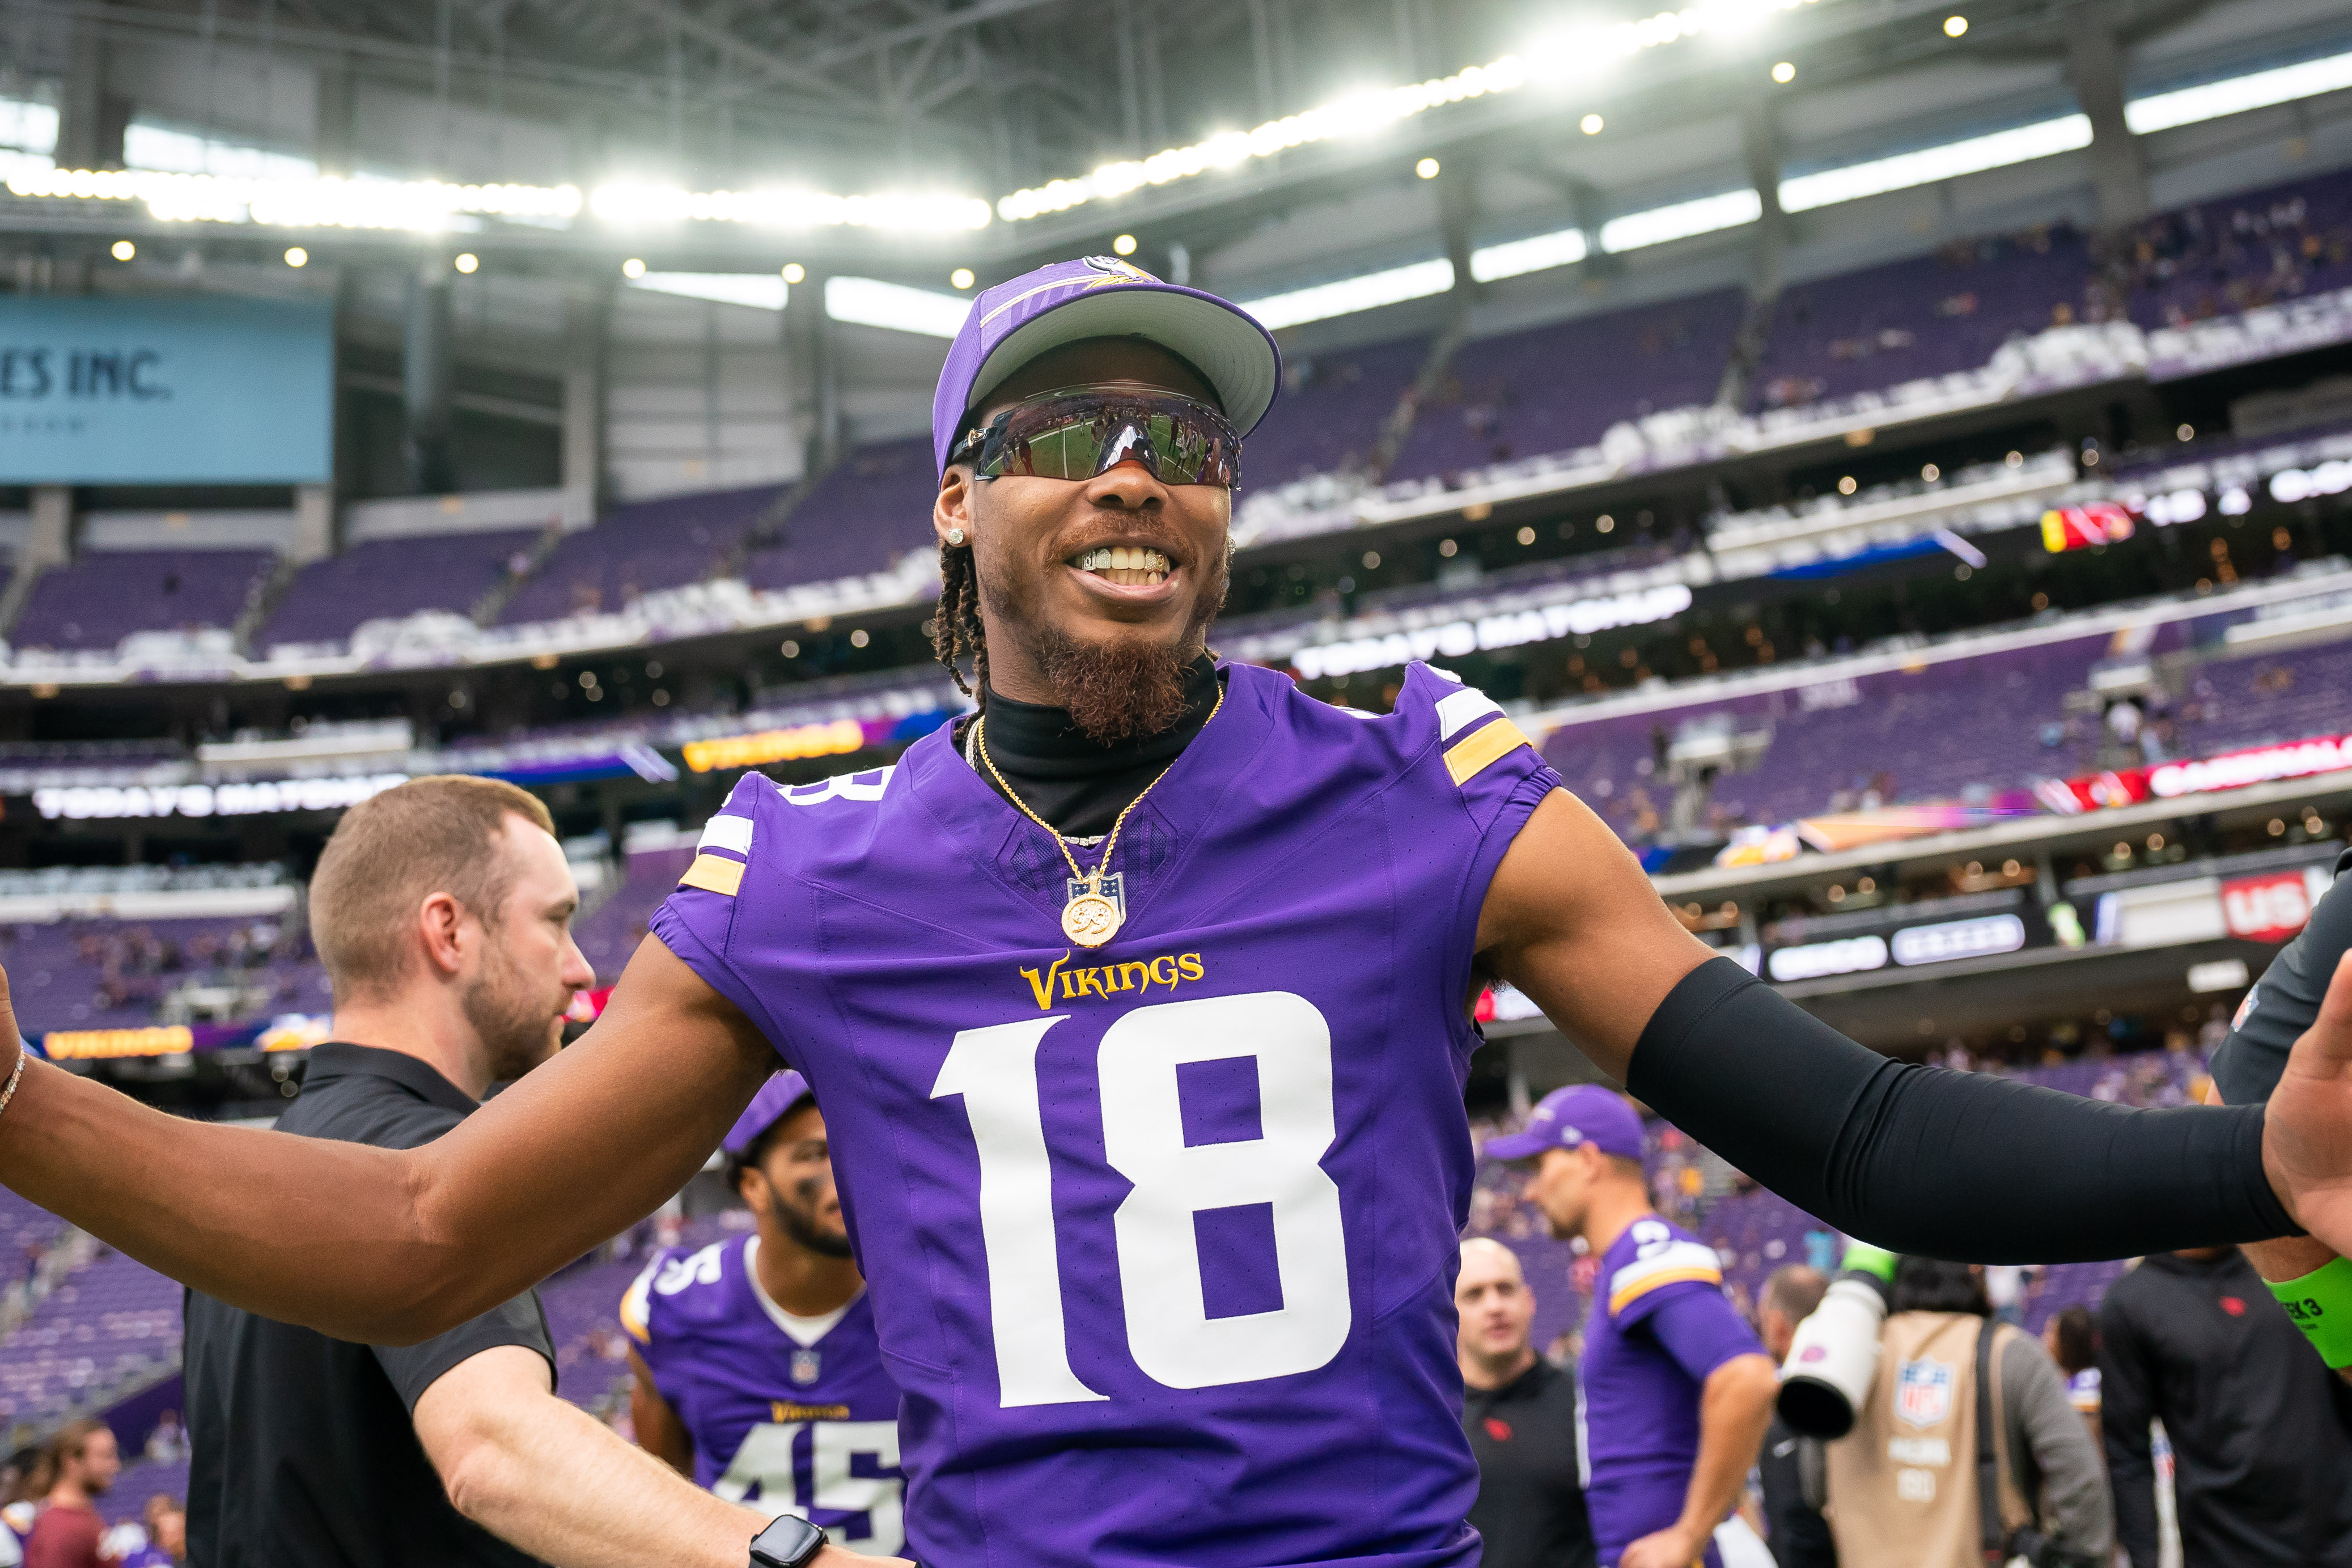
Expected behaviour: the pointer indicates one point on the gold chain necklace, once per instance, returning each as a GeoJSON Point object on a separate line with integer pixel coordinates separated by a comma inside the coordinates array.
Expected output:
{"type": "Point", "coordinates": [1090, 918]}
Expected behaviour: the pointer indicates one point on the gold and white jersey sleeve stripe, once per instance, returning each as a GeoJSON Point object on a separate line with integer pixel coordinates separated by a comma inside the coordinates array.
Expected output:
{"type": "Point", "coordinates": [1684, 1261]}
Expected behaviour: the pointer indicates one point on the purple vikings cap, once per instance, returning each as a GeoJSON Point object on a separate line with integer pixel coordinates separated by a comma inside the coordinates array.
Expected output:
{"type": "Point", "coordinates": [1581, 1113]}
{"type": "Point", "coordinates": [778, 1097]}
{"type": "Point", "coordinates": [1100, 297]}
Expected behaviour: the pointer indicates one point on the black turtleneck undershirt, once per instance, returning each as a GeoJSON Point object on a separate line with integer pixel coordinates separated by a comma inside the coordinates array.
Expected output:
{"type": "Point", "coordinates": [1077, 783]}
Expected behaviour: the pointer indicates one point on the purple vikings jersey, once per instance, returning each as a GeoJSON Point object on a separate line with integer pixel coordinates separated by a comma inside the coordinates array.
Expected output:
{"type": "Point", "coordinates": [1161, 1235]}
{"type": "Point", "coordinates": [791, 1427]}
{"type": "Point", "coordinates": [1659, 1324]}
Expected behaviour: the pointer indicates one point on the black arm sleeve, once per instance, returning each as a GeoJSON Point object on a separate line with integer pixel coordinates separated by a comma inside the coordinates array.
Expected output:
{"type": "Point", "coordinates": [1949, 1165]}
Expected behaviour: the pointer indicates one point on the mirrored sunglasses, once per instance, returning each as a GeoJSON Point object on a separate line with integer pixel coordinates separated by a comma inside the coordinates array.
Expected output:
{"type": "Point", "coordinates": [1079, 432]}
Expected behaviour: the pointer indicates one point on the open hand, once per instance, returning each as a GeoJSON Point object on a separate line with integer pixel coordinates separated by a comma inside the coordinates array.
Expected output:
{"type": "Point", "coordinates": [2307, 1134]}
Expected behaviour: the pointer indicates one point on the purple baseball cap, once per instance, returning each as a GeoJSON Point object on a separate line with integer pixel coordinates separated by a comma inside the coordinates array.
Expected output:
{"type": "Point", "coordinates": [778, 1097]}
{"type": "Point", "coordinates": [1567, 1118]}
{"type": "Point", "coordinates": [1102, 297]}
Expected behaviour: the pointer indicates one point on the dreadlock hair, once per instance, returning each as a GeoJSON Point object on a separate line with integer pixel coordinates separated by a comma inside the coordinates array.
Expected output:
{"type": "Point", "coordinates": [956, 629]}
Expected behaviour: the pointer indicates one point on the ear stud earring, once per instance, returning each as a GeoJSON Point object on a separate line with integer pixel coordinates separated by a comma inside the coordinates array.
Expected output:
{"type": "Point", "coordinates": [955, 536]}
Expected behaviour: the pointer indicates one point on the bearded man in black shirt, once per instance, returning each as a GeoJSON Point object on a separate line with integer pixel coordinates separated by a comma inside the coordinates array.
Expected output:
{"type": "Point", "coordinates": [1520, 1413]}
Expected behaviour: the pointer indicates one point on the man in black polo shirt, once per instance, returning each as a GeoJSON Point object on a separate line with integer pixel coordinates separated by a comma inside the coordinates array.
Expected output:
{"type": "Point", "coordinates": [442, 911]}
{"type": "Point", "coordinates": [1520, 1413]}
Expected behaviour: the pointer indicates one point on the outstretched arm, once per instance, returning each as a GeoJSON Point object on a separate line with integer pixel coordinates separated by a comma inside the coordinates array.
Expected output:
{"type": "Point", "coordinates": [1915, 1159]}
{"type": "Point", "coordinates": [389, 1247]}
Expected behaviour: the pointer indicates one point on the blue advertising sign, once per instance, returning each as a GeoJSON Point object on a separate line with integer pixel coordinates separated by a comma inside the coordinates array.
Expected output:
{"type": "Point", "coordinates": [187, 391]}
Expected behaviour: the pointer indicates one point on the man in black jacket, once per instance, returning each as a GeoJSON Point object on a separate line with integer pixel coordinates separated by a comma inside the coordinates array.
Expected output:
{"type": "Point", "coordinates": [442, 911]}
{"type": "Point", "coordinates": [2261, 1446]}
{"type": "Point", "coordinates": [1520, 1413]}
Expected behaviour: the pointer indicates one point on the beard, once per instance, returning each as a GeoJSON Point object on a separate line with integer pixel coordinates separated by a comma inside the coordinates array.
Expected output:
{"type": "Point", "coordinates": [1122, 687]}
{"type": "Point", "coordinates": [517, 1028]}
{"type": "Point", "coordinates": [801, 1224]}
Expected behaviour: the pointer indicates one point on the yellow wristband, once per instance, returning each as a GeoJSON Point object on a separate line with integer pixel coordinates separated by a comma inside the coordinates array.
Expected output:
{"type": "Point", "coordinates": [2320, 1304]}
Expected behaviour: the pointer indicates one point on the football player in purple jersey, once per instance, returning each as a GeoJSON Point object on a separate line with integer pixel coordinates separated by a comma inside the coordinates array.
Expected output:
{"type": "Point", "coordinates": [1676, 1387]}
{"type": "Point", "coordinates": [757, 1370]}
{"type": "Point", "coordinates": [1139, 1002]}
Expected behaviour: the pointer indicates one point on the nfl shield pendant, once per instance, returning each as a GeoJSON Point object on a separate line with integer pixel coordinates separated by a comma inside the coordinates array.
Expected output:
{"type": "Point", "coordinates": [1090, 920]}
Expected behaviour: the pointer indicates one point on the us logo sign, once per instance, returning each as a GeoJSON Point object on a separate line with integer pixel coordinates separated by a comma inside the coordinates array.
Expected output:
{"type": "Point", "coordinates": [1923, 1392]}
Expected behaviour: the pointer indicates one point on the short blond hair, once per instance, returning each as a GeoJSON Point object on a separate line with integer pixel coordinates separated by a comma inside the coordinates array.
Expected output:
{"type": "Point", "coordinates": [395, 850]}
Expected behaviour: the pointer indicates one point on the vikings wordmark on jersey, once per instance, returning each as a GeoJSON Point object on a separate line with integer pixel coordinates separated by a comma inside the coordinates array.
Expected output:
{"type": "Point", "coordinates": [1160, 1235]}
{"type": "Point", "coordinates": [789, 1414]}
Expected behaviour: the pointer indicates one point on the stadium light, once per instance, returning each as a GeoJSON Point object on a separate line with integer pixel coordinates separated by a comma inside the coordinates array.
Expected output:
{"type": "Point", "coordinates": [467, 261]}
{"type": "Point", "coordinates": [633, 269]}
{"type": "Point", "coordinates": [182, 178]}
{"type": "Point", "coordinates": [122, 251]}
{"type": "Point", "coordinates": [297, 257]}
{"type": "Point", "coordinates": [1682, 220]}
{"type": "Point", "coordinates": [1785, 72]}
{"type": "Point", "coordinates": [1513, 259]}
{"type": "Point", "coordinates": [758, 291]}
{"type": "Point", "coordinates": [1928, 166]}
{"type": "Point", "coordinates": [1592, 124]}
{"type": "Point", "coordinates": [1956, 27]}
{"type": "Point", "coordinates": [872, 302]}
{"type": "Point", "coordinates": [793, 272]}
{"type": "Point", "coordinates": [1427, 168]}
{"type": "Point", "coordinates": [1367, 291]}
{"type": "Point", "coordinates": [2261, 90]}
{"type": "Point", "coordinates": [1123, 245]}
{"type": "Point", "coordinates": [1554, 57]}
{"type": "Point", "coordinates": [961, 277]}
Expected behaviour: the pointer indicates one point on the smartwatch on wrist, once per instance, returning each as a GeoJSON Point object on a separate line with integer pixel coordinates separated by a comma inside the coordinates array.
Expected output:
{"type": "Point", "coordinates": [788, 1541]}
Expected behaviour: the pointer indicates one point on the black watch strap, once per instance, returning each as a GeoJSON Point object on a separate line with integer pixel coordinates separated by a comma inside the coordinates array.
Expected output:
{"type": "Point", "coordinates": [788, 1541]}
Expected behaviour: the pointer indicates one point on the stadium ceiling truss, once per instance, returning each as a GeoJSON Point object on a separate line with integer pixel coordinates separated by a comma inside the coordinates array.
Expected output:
{"type": "Point", "coordinates": [995, 91]}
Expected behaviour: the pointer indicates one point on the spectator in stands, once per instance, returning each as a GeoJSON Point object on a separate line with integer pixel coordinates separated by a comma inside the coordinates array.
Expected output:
{"type": "Point", "coordinates": [83, 1462]}
{"type": "Point", "coordinates": [1904, 1484]}
{"type": "Point", "coordinates": [2261, 1431]}
{"type": "Point", "coordinates": [167, 1444]}
{"type": "Point", "coordinates": [442, 909]}
{"type": "Point", "coordinates": [1519, 1410]}
{"type": "Point", "coordinates": [1793, 1469]}
{"type": "Point", "coordinates": [2072, 1338]}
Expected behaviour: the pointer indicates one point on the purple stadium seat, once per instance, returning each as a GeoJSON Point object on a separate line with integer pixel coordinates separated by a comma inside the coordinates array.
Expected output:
{"type": "Point", "coordinates": [98, 600]}
{"type": "Point", "coordinates": [388, 578]}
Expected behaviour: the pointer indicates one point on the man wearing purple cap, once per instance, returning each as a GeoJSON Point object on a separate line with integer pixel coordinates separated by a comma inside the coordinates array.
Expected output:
{"type": "Point", "coordinates": [757, 1368]}
{"type": "Point", "coordinates": [1137, 1001]}
{"type": "Point", "coordinates": [1676, 1387]}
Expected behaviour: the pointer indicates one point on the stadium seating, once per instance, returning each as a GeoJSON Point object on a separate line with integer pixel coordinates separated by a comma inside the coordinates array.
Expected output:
{"type": "Point", "coordinates": [873, 507]}
{"type": "Point", "coordinates": [383, 579]}
{"type": "Point", "coordinates": [102, 597]}
{"type": "Point", "coordinates": [636, 550]}
{"type": "Point", "coordinates": [612, 932]}
{"type": "Point", "coordinates": [2262, 698]}
{"type": "Point", "coordinates": [1329, 417]}
{"type": "Point", "coordinates": [112, 974]}
{"type": "Point", "coordinates": [111, 1322]}
{"type": "Point", "coordinates": [2241, 252]}
{"type": "Point", "coordinates": [1987, 732]}
{"type": "Point", "coordinates": [1555, 388]}
{"type": "Point", "coordinates": [1928, 316]}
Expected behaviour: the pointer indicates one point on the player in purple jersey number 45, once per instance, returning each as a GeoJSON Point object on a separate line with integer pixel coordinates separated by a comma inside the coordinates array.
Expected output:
{"type": "Point", "coordinates": [1138, 1007]}
{"type": "Point", "coordinates": [757, 1369]}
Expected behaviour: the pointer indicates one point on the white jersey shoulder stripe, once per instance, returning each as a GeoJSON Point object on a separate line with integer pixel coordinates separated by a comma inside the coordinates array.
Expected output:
{"type": "Point", "coordinates": [1462, 708]}
{"type": "Point", "coordinates": [1684, 1259]}
{"type": "Point", "coordinates": [724, 832]}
